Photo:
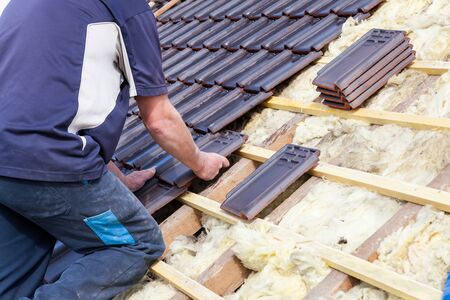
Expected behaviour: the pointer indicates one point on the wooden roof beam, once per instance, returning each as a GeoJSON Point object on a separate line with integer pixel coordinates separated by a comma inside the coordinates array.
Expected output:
{"type": "Point", "coordinates": [361, 114]}
{"type": "Point", "coordinates": [182, 282]}
{"type": "Point", "coordinates": [431, 67]}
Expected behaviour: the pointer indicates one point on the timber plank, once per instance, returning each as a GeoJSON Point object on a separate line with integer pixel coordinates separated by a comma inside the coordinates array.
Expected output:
{"type": "Point", "coordinates": [166, 7]}
{"type": "Point", "coordinates": [221, 275]}
{"type": "Point", "coordinates": [184, 221]}
{"type": "Point", "coordinates": [431, 67]}
{"type": "Point", "coordinates": [362, 114]}
{"type": "Point", "coordinates": [182, 282]}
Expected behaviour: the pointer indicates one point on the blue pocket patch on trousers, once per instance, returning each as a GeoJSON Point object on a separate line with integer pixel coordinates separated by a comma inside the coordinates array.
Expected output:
{"type": "Point", "coordinates": [109, 229]}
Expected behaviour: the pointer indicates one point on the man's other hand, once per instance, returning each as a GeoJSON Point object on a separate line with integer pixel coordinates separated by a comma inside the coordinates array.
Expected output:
{"type": "Point", "coordinates": [209, 165]}
{"type": "Point", "coordinates": [135, 180]}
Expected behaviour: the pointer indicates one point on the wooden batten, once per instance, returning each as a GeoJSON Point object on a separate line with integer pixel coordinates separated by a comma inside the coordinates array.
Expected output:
{"type": "Point", "coordinates": [225, 275]}
{"type": "Point", "coordinates": [361, 114]}
{"type": "Point", "coordinates": [182, 282]}
{"type": "Point", "coordinates": [166, 7]}
{"type": "Point", "coordinates": [431, 67]}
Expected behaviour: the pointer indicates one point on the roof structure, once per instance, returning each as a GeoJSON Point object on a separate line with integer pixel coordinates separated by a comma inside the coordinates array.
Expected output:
{"type": "Point", "coordinates": [223, 58]}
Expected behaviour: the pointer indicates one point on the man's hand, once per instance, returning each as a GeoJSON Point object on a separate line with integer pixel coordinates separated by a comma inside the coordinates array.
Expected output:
{"type": "Point", "coordinates": [209, 165]}
{"type": "Point", "coordinates": [135, 180]}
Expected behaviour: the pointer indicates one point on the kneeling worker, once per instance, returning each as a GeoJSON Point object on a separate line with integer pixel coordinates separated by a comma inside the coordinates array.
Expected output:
{"type": "Point", "coordinates": [67, 71]}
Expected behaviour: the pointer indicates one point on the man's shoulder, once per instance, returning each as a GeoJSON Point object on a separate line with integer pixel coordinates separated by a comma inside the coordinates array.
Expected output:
{"type": "Point", "coordinates": [124, 10]}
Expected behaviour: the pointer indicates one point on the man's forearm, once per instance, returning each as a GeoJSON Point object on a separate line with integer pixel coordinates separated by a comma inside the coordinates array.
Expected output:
{"type": "Point", "coordinates": [169, 131]}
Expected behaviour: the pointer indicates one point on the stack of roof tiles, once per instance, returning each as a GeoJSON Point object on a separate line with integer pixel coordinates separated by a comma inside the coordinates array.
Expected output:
{"type": "Point", "coordinates": [363, 68]}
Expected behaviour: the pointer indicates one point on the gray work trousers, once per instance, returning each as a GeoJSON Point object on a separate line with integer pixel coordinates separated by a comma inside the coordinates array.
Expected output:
{"type": "Point", "coordinates": [100, 219]}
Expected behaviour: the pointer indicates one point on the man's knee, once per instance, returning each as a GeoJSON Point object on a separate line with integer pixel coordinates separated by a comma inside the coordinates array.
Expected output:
{"type": "Point", "coordinates": [155, 246]}
{"type": "Point", "coordinates": [151, 241]}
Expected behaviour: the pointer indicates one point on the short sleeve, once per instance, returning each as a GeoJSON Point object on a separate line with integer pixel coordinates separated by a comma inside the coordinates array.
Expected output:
{"type": "Point", "coordinates": [146, 77]}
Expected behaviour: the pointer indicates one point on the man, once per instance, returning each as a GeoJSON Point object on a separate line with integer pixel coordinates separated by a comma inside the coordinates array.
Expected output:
{"type": "Point", "coordinates": [67, 70]}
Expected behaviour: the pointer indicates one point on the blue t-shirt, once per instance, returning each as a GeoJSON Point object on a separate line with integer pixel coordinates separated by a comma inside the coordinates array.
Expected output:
{"type": "Point", "coordinates": [67, 71]}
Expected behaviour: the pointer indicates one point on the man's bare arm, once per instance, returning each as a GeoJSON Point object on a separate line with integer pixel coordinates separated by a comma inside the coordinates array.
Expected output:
{"type": "Point", "coordinates": [168, 129]}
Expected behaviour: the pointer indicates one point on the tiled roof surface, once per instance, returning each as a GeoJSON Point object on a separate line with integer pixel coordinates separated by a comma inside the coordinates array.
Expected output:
{"type": "Point", "coordinates": [254, 9]}
{"type": "Point", "coordinates": [299, 35]}
{"type": "Point", "coordinates": [222, 58]}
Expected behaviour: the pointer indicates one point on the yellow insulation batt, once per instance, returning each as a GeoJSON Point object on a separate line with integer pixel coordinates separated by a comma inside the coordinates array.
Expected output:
{"type": "Point", "coordinates": [421, 250]}
{"type": "Point", "coordinates": [192, 256]}
{"type": "Point", "coordinates": [284, 268]}
{"type": "Point", "coordinates": [436, 101]}
{"type": "Point", "coordinates": [340, 216]}
{"type": "Point", "coordinates": [399, 88]}
{"type": "Point", "coordinates": [415, 156]}
{"type": "Point", "coordinates": [425, 21]}
{"type": "Point", "coordinates": [300, 88]}
{"type": "Point", "coordinates": [265, 123]}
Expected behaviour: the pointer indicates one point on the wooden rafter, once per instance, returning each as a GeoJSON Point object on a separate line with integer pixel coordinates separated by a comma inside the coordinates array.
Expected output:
{"type": "Point", "coordinates": [361, 114]}
{"type": "Point", "coordinates": [431, 67]}
{"type": "Point", "coordinates": [363, 270]}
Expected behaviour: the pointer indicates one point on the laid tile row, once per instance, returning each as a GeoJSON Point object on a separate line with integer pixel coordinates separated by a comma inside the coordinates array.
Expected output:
{"type": "Point", "coordinates": [172, 177]}
{"type": "Point", "coordinates": [252, 71]}
{"type": "Point", "coordinates": [299, 35]}
{"type": "Point", "coordinates": [212, 109]}
{"type": "Point", "coordinates": [144, 153]}
{"type": "Point", "coordinates": [217, 10]}
{"type": "Point", "coordinates": [205, 109]}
